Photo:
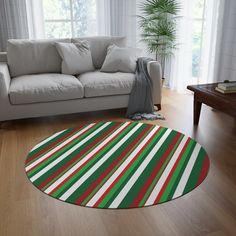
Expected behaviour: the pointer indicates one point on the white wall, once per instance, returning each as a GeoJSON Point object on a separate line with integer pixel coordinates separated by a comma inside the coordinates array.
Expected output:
{"type": "Point", "coordinates": [227, 52]}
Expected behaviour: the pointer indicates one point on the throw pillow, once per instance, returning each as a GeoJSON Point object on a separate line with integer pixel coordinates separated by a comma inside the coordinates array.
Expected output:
{"type": "Point", "coordinates": [76, 57]}
{"type": "Point", "coordinates": [120, 59]}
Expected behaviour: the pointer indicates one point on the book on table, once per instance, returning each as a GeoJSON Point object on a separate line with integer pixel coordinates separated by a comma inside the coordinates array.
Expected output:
{"type": "Point", "coordinates": [225, 91]}
{"type": "Point", "coordinates": [231, 86]}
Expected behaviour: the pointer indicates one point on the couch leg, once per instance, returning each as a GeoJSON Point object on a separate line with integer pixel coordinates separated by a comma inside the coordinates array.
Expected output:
{"type": "Point", "coordinates": [158, 106]}
{"type": "Point", "coordinates": [1, 124]}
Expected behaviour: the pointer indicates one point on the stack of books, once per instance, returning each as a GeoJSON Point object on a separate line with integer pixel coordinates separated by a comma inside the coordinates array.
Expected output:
{"type": "Point", "coordinates": [229, 87]}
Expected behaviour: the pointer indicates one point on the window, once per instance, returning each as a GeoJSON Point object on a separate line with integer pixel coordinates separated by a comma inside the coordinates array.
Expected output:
{"type": "Point", "coordinates": [69, 18]}
{"type": "Point", "coordinates": [197, 35]}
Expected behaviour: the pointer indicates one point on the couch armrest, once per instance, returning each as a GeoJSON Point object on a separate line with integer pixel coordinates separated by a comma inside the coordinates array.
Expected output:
{"type": "Point", "coordinates": [3, 57]}
{"type": "Point", "coordinates": [154, 70]}
{"type": "Point", "coordinates": [4, 80]}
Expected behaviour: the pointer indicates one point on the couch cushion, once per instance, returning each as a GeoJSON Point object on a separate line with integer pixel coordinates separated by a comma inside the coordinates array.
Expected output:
{"type": "Point", "coordinates": [33, 56]}
{"type": "Point", "coordinates": [120, 59]}
{"type": "Point", "coordinates": [44, 88]}
{"type": "Point", "coordinates": [104, 84]}
{"type": "Point", "coordinates": [76, 57]}
{"type": "Point", "coordinates": [99, 44]}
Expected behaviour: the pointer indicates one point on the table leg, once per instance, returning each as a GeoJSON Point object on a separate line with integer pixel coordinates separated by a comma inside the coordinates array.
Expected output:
{"type": "Point", "coordinates": [197, 111]}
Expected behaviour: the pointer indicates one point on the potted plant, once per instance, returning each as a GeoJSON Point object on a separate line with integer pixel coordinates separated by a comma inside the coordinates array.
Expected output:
{"type": "Point", "coordinates": [158, 25]}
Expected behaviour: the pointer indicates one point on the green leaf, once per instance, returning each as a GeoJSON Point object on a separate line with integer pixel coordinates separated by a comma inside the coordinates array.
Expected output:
{"type": "Point", "coordinates": [158, 24]}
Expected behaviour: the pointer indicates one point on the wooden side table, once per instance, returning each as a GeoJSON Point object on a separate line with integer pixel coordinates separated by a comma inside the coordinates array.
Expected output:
{"type": "Point", "coordinates": [205, 93]}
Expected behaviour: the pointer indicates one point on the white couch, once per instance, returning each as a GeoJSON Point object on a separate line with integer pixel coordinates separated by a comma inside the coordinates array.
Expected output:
{"type": "Point", "coordinates": [31, 83]}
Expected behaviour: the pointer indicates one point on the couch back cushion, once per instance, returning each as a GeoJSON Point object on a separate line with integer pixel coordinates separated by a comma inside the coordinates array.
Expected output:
{"type": "Point", "coordinates": [98, 46]}
{"type": "Point", "coordinates": [33, 56]}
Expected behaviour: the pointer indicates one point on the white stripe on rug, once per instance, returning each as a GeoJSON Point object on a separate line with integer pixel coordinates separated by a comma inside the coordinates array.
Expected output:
{"type": "Point", "coordinates": [57, 148]}
{"type": "Point", "coordinates": [47, 140]}
{"type": "Point", "coordinates": [77, 184]}
{"type": "Point", "coordinates": [68, 152]}
{"type": "Point", "coordinates": [166, 172]}
{"type": "Point", "coordinates": [184, 179]}
{"type": "Point", "coordinates": [85, 158]}
{"type": "Point", "coordinates": [113, 177]}
{"type": "Point", "coordinates": [116, 202]}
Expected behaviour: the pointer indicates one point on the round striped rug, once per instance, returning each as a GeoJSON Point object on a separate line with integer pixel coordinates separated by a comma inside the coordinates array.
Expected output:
{"type": "Point", "coordinates": [117, 165]}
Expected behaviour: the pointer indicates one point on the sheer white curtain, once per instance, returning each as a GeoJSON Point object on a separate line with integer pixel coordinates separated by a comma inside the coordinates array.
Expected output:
{"type": "Point", "coordinates": [20, 19]}
{"type": "Point", "coordinates": [35, 19]}
{"type": "Point", "coordinates": [212, 35]}
{"type": "Point", "coordinates": [180, 69]}
{"type": "Point", "coordinates": [117, 18]}
{"type": "Point", "coordinates": [103, 17]}
{"type": "Point", "coordinates": [13, 21]}
{"type": "Point", "coordinates": [222, 47]}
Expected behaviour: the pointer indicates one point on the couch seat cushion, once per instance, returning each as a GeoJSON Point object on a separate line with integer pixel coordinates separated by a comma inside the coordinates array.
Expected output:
{"type": "Point", "coordinates": [44, 88]}
{"type": "Point", "coordinates": [98, 83]}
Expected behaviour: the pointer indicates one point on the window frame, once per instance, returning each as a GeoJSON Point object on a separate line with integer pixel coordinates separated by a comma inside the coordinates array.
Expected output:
{"type": "Point", "coordinates": [70, 20]}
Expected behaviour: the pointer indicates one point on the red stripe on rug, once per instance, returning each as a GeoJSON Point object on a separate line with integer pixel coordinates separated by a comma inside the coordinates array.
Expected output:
{"type": "Point", "coordinates": [171, 173]}
{"type": "Point", "coordinates": [51, 145]}
{"type": "Point", "coordinates": [153, 174]}
{"type": "Point", "coordinates": [58, 150]}
{"type": "Point", "coordinates": [72, 174]}
{"type": "Point", "coordinates": [110, 167]}
{"type": "Point", "coordinates": [204, 170]}
{"type": "Point", "coordinates": [126, 168]}
{"type": "Point", "coordinates": [75, 158]}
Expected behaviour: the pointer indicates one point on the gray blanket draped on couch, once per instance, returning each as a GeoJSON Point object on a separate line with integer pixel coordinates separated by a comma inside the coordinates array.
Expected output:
{"type": "Point", "coordinates": [140, 100]}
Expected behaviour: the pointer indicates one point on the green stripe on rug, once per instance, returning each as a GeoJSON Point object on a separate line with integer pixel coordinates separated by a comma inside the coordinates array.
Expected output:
{"type": "Point", "coordinates": [70, 157]}
{"type": "Point", "coordinates": [63, 150]}
{"type": "Point", "coordinates": [193, 178]}
{"type": "Point", "coordinates": [105, 165]}
{"type": "Point", "coordinates": [174, 181]}
{"type": "Point", "coordinates": [133, 192]}
{"type": "Point", "coordinates": [84, 169]}
{"type": "Point", "coordinates": [108, 199]}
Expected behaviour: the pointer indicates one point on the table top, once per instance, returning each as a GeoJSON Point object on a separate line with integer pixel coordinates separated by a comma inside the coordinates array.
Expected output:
{"type": "Point", "coordinates": [209, 89]}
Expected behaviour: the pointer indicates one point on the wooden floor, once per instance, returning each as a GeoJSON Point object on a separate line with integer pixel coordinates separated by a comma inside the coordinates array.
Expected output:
{"type": "Point", "coordinates": [208, 210]}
